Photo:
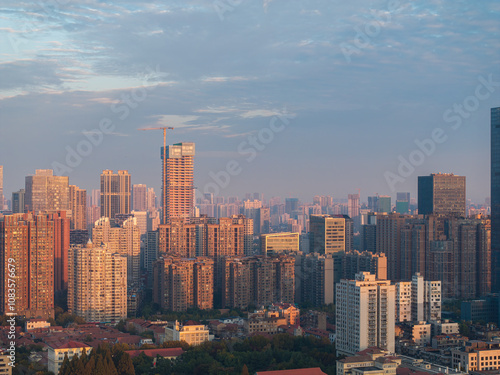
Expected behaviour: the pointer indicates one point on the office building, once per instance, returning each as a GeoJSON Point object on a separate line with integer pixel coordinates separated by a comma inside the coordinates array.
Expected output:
{"type": "Point", "coordinates": [276, 243]}
{"type": "Point", "coordinates": [365, 314]}
{"type": "Point", "coordinates": [291, 206]}
{"type": "Point", "coordinates": [384, 204]}
{"type": "Point", "coordinates": [327, 234]}
{"type": "Point", "coordinates": [139, 197]}
{"type": "Point", "coordinates": [178, 181]}
{"type": "Point", "coordinates": [29, 240]}
{"type": "Point", "coordinates": [355, 262]}
{"type": "Point", "coordinates": [18, 202]}
{"type": "Point", "coordinates": [495, 198]}
{"type": "Point", "coordinates": [403, 203]}
{"type": "Point", "coordinates": [373, 203]}
{"type": "Point", "coordinates": [46, 192]}
{"type": "Point", "coordinates": [78, 207]}
{"type": "Point", "coordinates": [124, 240]}
{"type": "Point", "coordinates": [115, 193]}
{"type": "Point", "coordinates": [441, 194]}
{"type": "Point", "coordinates": [97, 288]}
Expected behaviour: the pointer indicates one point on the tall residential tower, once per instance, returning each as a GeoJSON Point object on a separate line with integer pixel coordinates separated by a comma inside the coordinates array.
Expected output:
{"type": "Point", "coordinates": [177, 182]}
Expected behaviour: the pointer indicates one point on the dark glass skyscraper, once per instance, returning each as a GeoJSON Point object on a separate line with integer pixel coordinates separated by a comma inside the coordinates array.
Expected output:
{"type": "Point", "coordinates": [441, 194]}
{"type": "Point", "coordinates": [495, 199]}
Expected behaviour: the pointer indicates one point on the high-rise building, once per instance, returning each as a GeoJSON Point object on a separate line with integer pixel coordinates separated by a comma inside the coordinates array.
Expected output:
{"type": "Point", "coordinates": [183, 283]}
{"type": "Point", "coordinates": [29, 240]}
{"type": "Point", "coordinates": [258, 280]}
{"type": "Point", "coordinates": [315, 278]}
{"type": "Point", "coordinates": [384, 204]}
{"type": "Point", "coordinates": [124, 240]}
{"type": "Point", "coordinates": [355, 262]}
{"type": "Point", "coordinates": [97, 289]}
{"type": "Point", "coordinates": [291, 205]}
{"type": "Point", "coordinates": [276, 243]}
{"type": "Point", "coordinates": [441, 194]}
{"type": "Point", "coordinates": [61, 246]}
{"type": "Point", "coordinates": [353, 208]}
{"type": "Point", "coordinates": [1, 188]}
{"type": "Point", "coordinates": [115, 193]}
{"type": "Point", "coordinates": [365, 314]}
{"type": "Point", "coordinates": [495, 198]}
{"type": "Point", "coordinates": [18, 202]}
{"type": "Point", "coordinates": [46, 192]}
{"type": "Point", "coordinates": [327, 234]}
{"type": "Point", "coordinates": [139, 197]}
{"type": "Point", "coordinates": [178, 181]}
{"type": "Point", "coordinates": [413, 249]}
{"type": "Point", "coordinates": [78, 207]}
{"type": "Point", "coordinates": [403, 203]}
{"type": "Point", "coordinates": [96, 198]}
{"type": "Point", "coordinates": [389, 242]}
{"type": "Point", "coordinates": [151, 200]}
{"type": "Point", "coordinates": [425, 299]}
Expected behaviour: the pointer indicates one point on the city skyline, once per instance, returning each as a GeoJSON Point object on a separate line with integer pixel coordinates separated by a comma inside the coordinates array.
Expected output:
{"type": "Point", "coordinates": [330, 85]}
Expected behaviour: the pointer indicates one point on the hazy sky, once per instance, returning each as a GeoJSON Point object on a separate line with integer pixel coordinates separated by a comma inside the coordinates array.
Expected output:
{"type": "Point", "coordinates": [336, 93]}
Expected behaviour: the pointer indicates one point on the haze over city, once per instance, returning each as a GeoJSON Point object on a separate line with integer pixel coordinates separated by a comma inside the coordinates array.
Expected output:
{"type": "Point", "coordinates": [359, 82]}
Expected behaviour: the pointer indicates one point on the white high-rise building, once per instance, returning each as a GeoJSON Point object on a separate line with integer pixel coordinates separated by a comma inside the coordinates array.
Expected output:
{"type": "Point", "coordinates": [403, 301]}
{"type": "Point", "coordinates": [365, 311]}
{"type": "Point", "coordinates": [97, 284]}
{"type": "Point", "coordinates": [425, 299]}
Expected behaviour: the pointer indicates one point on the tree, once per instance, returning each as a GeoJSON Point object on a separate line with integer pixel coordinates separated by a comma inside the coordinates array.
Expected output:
{"type": "Point", "coordinates": [65, 365]}
{"type": "Point", "coordinates": [124, 364]}
{"type": "Point", "coordinates": [244, 371]}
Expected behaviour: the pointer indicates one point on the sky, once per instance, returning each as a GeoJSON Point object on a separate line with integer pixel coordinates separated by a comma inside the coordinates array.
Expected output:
{"type": "Point", "coordinates": [284, 97]}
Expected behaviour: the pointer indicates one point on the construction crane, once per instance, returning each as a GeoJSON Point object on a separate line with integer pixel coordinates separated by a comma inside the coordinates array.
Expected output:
{"type": "Point", "coordinates": [164, 133]}
{"type": "Point", "coordinates": [164, 164]}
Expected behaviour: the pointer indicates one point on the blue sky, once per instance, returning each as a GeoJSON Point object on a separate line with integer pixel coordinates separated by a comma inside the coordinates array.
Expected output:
{"type": "Point", "coordinates": [357, 82]}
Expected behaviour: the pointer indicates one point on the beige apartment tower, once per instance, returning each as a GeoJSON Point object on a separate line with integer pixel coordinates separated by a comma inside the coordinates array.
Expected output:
{"type": "Point", "coordinates": [97, 289]}
{"type": "Point", "coordinates": [178, 181]}
{"type": "Point", "coordinates": [125, 240]}
{"type": "Point", "coordinates": [115, 193]}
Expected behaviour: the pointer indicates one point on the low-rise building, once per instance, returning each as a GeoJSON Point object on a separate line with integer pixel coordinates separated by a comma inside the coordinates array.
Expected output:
{"type": "Point", "coordinates": [57, 353]}
{"type": "Point", "coordinates": [373, 361]}
{"type": "Point", "coordinates": [448, 341]}
{"type": "Point", "coordinates": [191, 332]}
{"type": "Point", "coordinates": [477, 356]}
{"type": "Point", "coordinates": [5, 368]}
{"type": "Point", "coordinates": [35, 324]}
{"type": "Point", "coordinates": [421, 333]}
